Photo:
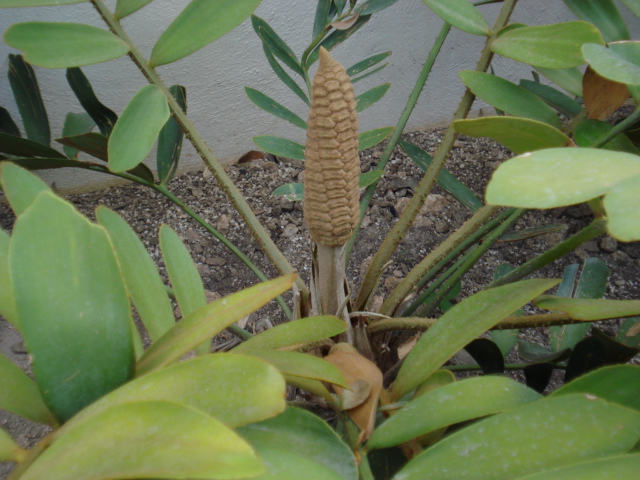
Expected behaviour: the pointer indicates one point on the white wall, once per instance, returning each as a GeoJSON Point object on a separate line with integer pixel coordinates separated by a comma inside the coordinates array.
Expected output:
{"type": "Point", "coordinates": [215, 76]}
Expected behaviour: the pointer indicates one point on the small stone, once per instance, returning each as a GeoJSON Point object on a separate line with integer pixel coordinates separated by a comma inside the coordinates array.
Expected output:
{"type": "Point", "coordinates": [215, 261]}
{"type": "Point", "coordinates": [434, 203]}
{"type": "Point", "coordinates": [391, 282]}
{"type": "Point", "coordinates": [223, 223]}
{"type": "Point", "coordinates": [423, 222]}
{"type": "Point", "coordinates": [290, 230]}
{"type": "Point", "coordinates": [366, 221]}
{"type": "Point", "coordinates": [401, 204]}
{"type": "Point", "coordinates": [398, 273]}
{"type": "Point", "coordinates": [608, 244]}
{"type": "Point", "coordinates": [269, 166]}
{"type": "Point", "coordinates": [191, 235]}
{"type": "Point", "coordinates": [196, 248]}
{"type": "Point", "coordinates": [203, 270]}
{"type": "Point", "coordinates": [590, 246]}
{"type": "Point", "coordinates": [206, 174]}
{"type": "Point", "coordinates": [376, 303]}
{"type": "Point", "coordinates": [620, 256]}
{"type": "Point", "coordinates": [197, 192]}
{"type": "Point", "coordinates": [442, 227]}
{"type": "Point", "coordinates": [286, 205]}
{"type": "Point", "coordinates": [619, 282]}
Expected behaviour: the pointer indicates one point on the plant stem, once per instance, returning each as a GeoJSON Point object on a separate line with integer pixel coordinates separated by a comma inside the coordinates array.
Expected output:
{"type": "Point", "coordinates": [401, 227]}
{"type": "Point", "coordinates": [591, 231]}
{"type": "Point", "coordinates": [507, 366]}
{"type": "Point", "coordinates": [207, 155]}
{"type": "Point", "coordinates": [507, 323]}
{"type": "Point", "coordinates": [470, 260]}
{"type": "Point", "coordinates": [224, 240]}
{"type": "Point", "coordinates": [618, 129]}
{"type": "Point", "coordinates": [397, 132]}
{"type": "Point", "coordinates": [397, 296]}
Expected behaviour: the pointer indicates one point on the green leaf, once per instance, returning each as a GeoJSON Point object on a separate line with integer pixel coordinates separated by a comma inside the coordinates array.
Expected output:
{"type": "Point", "coordinates": [61, 45]}
{"type": "Point", "coordinates": [284, 76]}
{"type": "Point", "coordinates": [336, 38]}
{"type": "Point", "coordinates": [633, 6]}
{"type": "Point", "coordinates": [555, 98]}
{"type": "Point", "coordinates": [104, 117]}
{"type": "Point", "coordinates": [170, 140]}
{"type": "Point", "coordinates": [371, 138]}
{"type": "Point", "coordinates": [279, 146]}
{"type": "Point", "coordinates": [9, 450]}
{"type": "Point", "coordinates": [137, 128]}
{"type": "Point", "coordinates": [616, 383]}
{"type": "Point", "coordinates": [445, 179]}
{"type": "Point", "coordinates": [630, 51]}
{"type": "Point", "coordinates": [7, 125]}
{"type": "Point", "coordinates": [36, 3]}
{"type": "Point", "coordinates": [592, 284]}
{"type": "Point", "coordinates": [127, 7]}
{"type": "Point", "coordinates": [26, 92]}
{"type": "Point", "coordinates": [295, 191]}
{"type": "Point", "coordinates": [199, 24]}
{"type": "Point", "coordinates": [367, 63]}
{"type": "Point", "coordinates": [589, 132]}
{"type": "Point", "coordinates": [294, 364]}
{"type": "Point", "coordinates": [20, 394]}
{"type": "Point", "coordinates": [629, 332]}
{"type": "Point", "coordinates": [461, 14]}
{"type": "Point", "coordinates": [619, 467]}
{"type": "Point", "coordinates": [465, 321]}
{"type": "Point", "coordinates": [322, 17]}
{"type": "Point", "coordinates": [276, 45]}
{"type": "Point", "coordinates": [208, 321]}
{"type": "Point", "coordinates": [509, 97]}
{"type": "Point", "coordinates": [373, 6]}
{"type": "Point", "coordinates": [72, 305]}
{"type": "Point", "coordinates": [7, 300]}
{"type": "Point", "coordinates": [548, 46]}
{"type": "Point", "coordinates": [76, 124]}
{"type": "Point", "coordinates": [368, 98]}
{"type": "Point", "coordinates": [298, 441]}
{"type": "Point", "coordinates": [368, 74]}
{"type": "Point", "coordinates": [208, 383]}
{"type": "Point", "coordinates": [559, 176]}
{"type": "Point", "coordinates": [184, 277]}
{"type": "Point", "coordinates": [93, 143]}
{"type": "Point", "coordinates": [454, 403]}
{"type": "Point", "coordinates": [140, 274]}
{"type": "Point", "coordinates": [603, 14]}
{"type": "Point", "coordinates": [565, 289]}
{"type": "Point", "coordinates": [590, 309]}
{"type": "Point", "coordinates": [20, 187]}
{"type": "Point", "coordinates": [517, 134]}
{"type": "Point", "coordinates": [568, 78]}
{"type": "Point", "coordinates": [22, 147]}
{"type": "Point", "coordinates": [291, 191]}
{"type": "Point", "coordinates": [294, 334]}
{"type": "Point", "coordinates": [624, 219]}
{"type": "Point", "coordinates": [608, 64]}
{"type": "Point", "coordinates": [564, 430]}
{"type": "Point", "coordinates": [148, 439]}
{"type": "Point", "coordinates": [268, 104]}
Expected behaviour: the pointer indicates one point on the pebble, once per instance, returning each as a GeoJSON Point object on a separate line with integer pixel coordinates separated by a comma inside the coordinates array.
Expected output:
{"type": "Point", "coordinates": [215, 261]}
{"type": "Point", "coordinates": [290, 230]}
{"type": "Point", "coordinates": [442, 227]}
{"type": "Point", "coordinates": [608, 244]}
{"type": "Point", "coordinates": [191, 235]}
{"type": "Point", "coordinates": [223, 223]}
{"type": "Point", "coordinates": [434, 203]}
{"type": "Point", "coordinates": [286, 205]}
{"type": "Point", "coordinates": [590, 246]}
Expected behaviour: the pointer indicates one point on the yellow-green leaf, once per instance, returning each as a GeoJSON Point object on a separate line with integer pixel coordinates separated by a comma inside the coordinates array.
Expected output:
{"type": "Point", "coordinates": [210, 383]}
{"type": "Point", "coordinates": [517, 134]}
{"type": "Point", "coordinates": [199, 24]}
{"type": "Point", "coordinates": [209, 320]}
{"type": "Point", "coordinates": [137, 129]}
{"type": "Point", "coordinates": [294, 334]}
{"type": "Point", "coordinates": [127, 7]}
{"type": "Point", "coordinates": [146, 440]}
{"type": "Point", "coordinates": [461, 14]}
{"type": "Point", "coordinates": [72, 305]}
{"type": "Point", "coordinates": [548, 46]}
{"type": "Point", "coordinates": [63, 45]}
{"type": "Point", "coordinates": [590, 309]}
{"type": "Point", "coordinates": [622, 210]}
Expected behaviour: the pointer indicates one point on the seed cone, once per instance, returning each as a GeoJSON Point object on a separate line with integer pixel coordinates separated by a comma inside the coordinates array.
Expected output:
{"type": "Point", "coordinates": [332, 165]}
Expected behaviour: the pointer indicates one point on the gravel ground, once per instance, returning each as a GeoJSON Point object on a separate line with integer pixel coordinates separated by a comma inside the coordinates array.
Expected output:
{"type": "Point", "coordinates": [472, 162]}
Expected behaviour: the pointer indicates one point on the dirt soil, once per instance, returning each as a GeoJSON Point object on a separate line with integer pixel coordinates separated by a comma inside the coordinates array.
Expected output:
{"type": "Point", "coordinates": [473, 161]}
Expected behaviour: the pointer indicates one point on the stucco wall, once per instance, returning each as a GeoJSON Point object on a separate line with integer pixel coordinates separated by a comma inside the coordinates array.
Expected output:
{"type": "Point", "coordinates": [215, 76]}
